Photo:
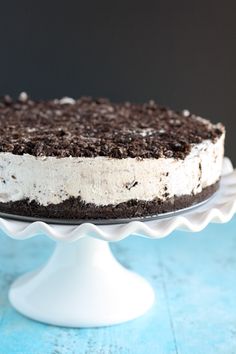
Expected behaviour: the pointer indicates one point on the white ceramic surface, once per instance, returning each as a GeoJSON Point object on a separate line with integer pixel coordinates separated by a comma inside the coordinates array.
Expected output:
{"type": "Point", "coordinates": [82, 285]}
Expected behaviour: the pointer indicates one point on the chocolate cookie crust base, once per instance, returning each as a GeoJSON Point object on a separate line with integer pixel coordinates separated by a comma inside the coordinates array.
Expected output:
{"type": "Point", "coordinates": [74, 208]}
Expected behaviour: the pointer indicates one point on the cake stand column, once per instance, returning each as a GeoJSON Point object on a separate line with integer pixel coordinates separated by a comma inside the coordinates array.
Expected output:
{"type": "Point", "coordinates": [82, 285]}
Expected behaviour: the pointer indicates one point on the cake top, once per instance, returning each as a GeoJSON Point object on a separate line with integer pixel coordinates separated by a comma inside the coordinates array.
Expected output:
{"type": "Point", "coordinates": [96, 127]}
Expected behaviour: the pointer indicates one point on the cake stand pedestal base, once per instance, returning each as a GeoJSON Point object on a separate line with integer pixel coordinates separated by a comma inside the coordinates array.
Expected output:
{"type": "Point", "coordinates": [82, 285]}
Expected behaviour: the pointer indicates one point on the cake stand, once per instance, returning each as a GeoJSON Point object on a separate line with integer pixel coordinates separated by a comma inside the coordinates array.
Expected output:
{"type": "Point", "coordinates": [82, 284]}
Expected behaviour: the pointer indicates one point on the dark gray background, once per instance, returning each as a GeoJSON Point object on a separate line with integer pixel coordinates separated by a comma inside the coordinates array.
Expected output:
{"type": "Point", "coordinates": [181, 53]}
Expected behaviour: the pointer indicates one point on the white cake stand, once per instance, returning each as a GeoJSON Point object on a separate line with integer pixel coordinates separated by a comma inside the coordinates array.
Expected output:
{"type": "Point", "coordinates": [82, 284]}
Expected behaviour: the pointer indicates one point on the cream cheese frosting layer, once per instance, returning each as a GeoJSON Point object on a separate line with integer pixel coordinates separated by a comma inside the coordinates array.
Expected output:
{"type": "Point", "coordinates": [103, 180]}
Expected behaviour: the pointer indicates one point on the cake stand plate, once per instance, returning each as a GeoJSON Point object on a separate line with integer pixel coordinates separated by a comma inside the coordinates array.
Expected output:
{"type": "Point", "coordinates": [82, 284]}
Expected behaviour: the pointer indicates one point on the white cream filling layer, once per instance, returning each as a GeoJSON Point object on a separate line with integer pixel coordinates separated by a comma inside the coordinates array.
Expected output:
{"type": "Point", "coordinates": [103, 180]}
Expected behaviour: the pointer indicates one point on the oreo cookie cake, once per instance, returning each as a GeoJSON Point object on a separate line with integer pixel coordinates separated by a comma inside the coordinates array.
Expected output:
{"type": "Point", "coordinates": [90, 158]}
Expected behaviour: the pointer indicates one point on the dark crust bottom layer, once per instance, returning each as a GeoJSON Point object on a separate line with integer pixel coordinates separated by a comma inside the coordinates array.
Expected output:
{"type": "Point", "coordinates": [74, 208]}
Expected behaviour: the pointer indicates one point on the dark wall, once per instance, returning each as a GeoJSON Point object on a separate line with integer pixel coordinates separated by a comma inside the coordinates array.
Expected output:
{"type": "Point", "coordinates": [181, 53]}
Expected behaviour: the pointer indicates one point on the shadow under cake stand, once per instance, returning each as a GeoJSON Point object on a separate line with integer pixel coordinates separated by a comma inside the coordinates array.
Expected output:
{"type": "Point", "coordinates": [82, 284]}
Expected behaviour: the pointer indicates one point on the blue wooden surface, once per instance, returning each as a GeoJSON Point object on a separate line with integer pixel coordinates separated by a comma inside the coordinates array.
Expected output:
{"type": "Point", "coordinates": [194, 276]}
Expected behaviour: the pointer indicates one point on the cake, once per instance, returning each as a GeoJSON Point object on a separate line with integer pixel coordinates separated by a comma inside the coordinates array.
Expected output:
{"type": "Point", "coordinates": [93, 159]}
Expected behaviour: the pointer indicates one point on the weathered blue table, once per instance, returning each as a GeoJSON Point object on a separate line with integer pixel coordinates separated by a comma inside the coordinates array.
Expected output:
{"type": "Point", "coordinates": [194, 276]}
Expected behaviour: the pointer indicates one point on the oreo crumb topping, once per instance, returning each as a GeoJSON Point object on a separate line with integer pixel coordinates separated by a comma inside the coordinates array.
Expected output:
{"type": "Point", "coordinates": [89, 127]}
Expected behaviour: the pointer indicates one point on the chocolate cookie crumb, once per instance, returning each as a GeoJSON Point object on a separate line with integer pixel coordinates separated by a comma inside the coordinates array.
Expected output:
{"type": "Point", "coordinates": [89, 127]}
